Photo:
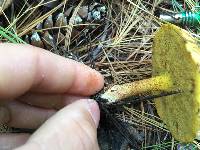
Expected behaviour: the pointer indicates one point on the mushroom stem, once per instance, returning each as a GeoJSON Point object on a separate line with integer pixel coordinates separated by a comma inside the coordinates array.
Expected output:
{"type": "Point", "coordinates": [155, 84]}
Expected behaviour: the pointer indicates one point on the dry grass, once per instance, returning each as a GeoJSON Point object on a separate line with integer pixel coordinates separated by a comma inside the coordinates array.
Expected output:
{"type": "Point", "coordinates": [119, 47]}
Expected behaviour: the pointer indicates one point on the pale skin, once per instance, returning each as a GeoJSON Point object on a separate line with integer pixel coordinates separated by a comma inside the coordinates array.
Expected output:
{"type": "Point", "coordinates": [43, 91]}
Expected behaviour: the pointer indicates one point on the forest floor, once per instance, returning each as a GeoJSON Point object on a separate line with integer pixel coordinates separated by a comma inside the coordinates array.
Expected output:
{"type": "Point", "coordinates": [111, 36]}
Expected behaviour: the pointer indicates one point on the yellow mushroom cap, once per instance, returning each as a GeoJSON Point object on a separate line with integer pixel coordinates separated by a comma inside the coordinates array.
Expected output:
{"type": "Point", "coordinates": [176, 53]}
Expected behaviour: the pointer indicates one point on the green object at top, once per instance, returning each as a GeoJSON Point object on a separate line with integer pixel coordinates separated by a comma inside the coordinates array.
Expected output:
{"type": "Point", "coordinates": [190, 18]}
{"type": "Point", "coordinates": [184, 19]}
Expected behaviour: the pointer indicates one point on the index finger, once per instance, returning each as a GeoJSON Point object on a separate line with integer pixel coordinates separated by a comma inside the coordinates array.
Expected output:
{"type": "Point", "coordinates": [24, 68]}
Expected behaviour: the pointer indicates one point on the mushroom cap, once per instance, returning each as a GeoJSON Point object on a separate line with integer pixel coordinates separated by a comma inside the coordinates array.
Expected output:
{"type": "Point", "coordinates": [176, 53]}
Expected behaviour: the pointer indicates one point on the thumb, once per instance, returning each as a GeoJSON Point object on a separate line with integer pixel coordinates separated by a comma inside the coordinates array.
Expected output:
{"type": "Point", "coordinates": [73, 127]}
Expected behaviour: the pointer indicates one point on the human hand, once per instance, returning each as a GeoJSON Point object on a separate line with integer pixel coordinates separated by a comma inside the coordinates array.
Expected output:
{"type": "Point", "coordinates": [34, 84]}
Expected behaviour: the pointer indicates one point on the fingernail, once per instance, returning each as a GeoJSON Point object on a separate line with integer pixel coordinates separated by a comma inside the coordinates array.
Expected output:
{"type": "Point", "coordinates": [97, 80]}
{"type": "Point", "coordinates": [94, 111]}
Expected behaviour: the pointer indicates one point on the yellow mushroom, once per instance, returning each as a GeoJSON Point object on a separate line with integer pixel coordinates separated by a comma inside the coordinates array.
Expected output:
{"type": "Point", "coordinates": [177, 53]}
{"type": "Point", "coordinates": [176, 61]}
